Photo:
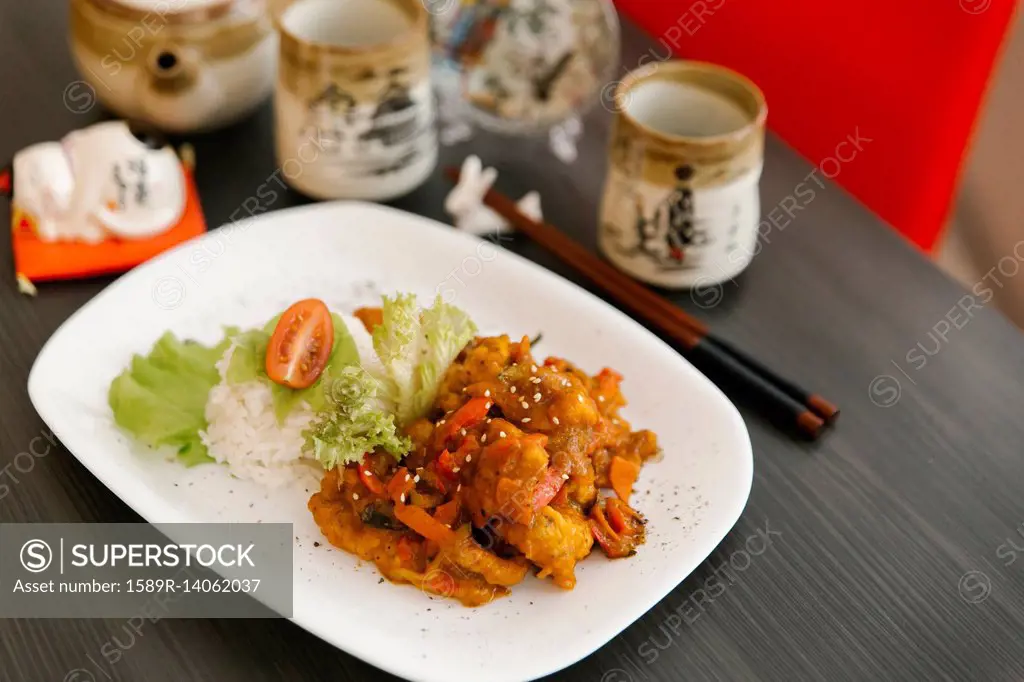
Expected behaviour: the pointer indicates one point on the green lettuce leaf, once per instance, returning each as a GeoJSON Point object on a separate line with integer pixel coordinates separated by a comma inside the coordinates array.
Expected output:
{"type": "Point", "coordinates": [354, 421]}
{"type": "Point", "coordinates": [416, 347]}
{"type": "Point", "coordinates": [248, 362]}
{"type": "Point", "coordinates": [161, 398]}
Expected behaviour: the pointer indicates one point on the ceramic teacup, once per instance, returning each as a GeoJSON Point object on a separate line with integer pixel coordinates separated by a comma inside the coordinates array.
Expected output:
{"type": "Point", "coordinates": [681, 204]}
{"type": "Point", "coordinates": [355, 112]}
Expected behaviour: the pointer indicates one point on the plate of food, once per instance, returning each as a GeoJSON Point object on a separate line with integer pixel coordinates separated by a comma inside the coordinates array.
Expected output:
{"type": "Point", "coordinates": [444, 423]}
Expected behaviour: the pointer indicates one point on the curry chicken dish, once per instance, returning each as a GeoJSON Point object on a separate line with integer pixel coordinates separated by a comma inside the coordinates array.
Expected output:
{"type": "Point", "coordinates": [505, 476]}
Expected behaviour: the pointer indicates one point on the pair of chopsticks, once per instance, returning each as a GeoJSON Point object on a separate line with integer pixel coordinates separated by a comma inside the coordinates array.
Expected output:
{"type": "Point", "coordinates": [742, 377]}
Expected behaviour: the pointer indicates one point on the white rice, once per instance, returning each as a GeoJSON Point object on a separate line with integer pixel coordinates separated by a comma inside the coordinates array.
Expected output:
{"type": "Point", "coordinates": [245, 435]}
{"type": "Point", "coordinates": [244, 432]}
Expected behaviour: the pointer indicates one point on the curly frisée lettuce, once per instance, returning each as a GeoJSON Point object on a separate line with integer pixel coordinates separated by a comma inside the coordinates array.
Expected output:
{"type": "Point", "coordinates": [416, 347]}
{"type": "Point", "coordinates": [365, 411]}
{"type": "Point", "coordinates": [161, 398]}
{"type": "Point", "coordinates": [360, 403]}
{"type": "Point", "coordinates": [354, 421]}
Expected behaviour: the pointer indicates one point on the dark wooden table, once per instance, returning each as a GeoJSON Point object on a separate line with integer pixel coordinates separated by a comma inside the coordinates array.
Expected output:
{"type": "Point", "coordinates": [891, 554]}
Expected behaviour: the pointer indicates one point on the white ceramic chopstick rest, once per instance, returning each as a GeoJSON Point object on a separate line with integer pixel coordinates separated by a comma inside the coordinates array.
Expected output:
{"type": "Point", "coordinates": [465, 203]}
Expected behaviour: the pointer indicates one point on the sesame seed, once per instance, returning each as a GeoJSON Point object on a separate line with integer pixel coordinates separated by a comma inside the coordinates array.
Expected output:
{"type": "Point", "coordinates": [525, 405]}
{"type": "Point", "coordinates": [455, 470]}
{"type": "Point", "coordinates": [487, 393]}
{"type": "Point", "coordinates": [600, 398]}
{"type": "Point", "coordinates": [488, 420]}
{"type": "Point", "coordinates": [535, 380]}
{"type": "Point", "coordinates": [402, 498]}
{"type": "Point", "coordinates": [565, 477]}
{"type": "Point", "coordinates": [501, 434]}
{"type": "Point", "coordinates": [469, 458]}
{"type": "Point", "coordinates": [416, 478]}
{"type": "Point", "coordinates": [513, 389]}
{"type": "Point", "coordinates": [579, 397]}
{"type": "Point", "coordinates": [463, 432]}
{"type": "Point", "coordinates": [526, 420]}
{"type": "Point", "coordinates": [440, 422]}
{"type": "Point", "coordinates": [488, 405]}
{"type": "Point", "coordinates": [355, 496]}
{"type": "Point", "coordinates": [537, 396]}
{"type": "Point", "coordinates": [459, 488]}
{"type": "Point", "coordinates": [484, 439]}
{"type": "Point", "coordinates": [533, 369]}
{"type": "Point", "coordinates": [407, 477]}
{"type": "Point", "coordinates": [555, 420]}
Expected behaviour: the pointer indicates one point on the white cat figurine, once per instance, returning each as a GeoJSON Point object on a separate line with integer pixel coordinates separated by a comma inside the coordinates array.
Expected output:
{"type": "Point", "coordinates": [99, 182]}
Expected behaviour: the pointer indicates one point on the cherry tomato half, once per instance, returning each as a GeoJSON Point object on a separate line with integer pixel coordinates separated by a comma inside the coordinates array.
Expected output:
{"type": "Point", "coordinates": [301, 344]}
{"type": "Point", "coordinates": [548, 488]}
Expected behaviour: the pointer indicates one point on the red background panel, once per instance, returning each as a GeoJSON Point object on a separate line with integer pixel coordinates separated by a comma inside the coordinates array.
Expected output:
{"type": "Point", "coordinates": [910, 75]}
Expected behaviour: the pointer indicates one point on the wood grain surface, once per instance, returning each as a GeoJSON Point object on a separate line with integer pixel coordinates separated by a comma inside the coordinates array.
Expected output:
{"type": "Point", "coordinates": [880, 553]}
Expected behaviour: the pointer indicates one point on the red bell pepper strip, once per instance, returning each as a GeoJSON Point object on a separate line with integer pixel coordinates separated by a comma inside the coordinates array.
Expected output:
{"type": "Point", "coordinates": [470, 414]}
{"type": "Point", "coordinates": [446, 465]}
{"type": "Point", "coordinates": [400, 484]}
{"type": "Point", "coordinates": [548, 487]}
{"type": "Point", "coordinates": [368, 478]}
{"type": "Point", "coordinates": [602, 539]}
{"type": "Point", "coordinates": [616, 519]}
{"type": "Point", "coordinates": [610, 542]}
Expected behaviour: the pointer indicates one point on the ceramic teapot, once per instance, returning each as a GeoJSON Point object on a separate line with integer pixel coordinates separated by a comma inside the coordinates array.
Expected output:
{"type": "Point", "coordinates": [178, 65]}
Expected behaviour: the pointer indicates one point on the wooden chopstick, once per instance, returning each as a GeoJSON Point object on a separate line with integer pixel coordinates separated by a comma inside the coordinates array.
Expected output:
{"type": "Point", "coordinates": [782, 401]}
{"type": "Point", "coordinates": [603, 272]}
{"type": "Point", "coordinates": [817, 403]}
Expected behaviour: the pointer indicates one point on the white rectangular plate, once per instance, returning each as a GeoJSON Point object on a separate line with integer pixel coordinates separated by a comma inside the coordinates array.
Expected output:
{"type": "Point", "coordinates": [347, 254]}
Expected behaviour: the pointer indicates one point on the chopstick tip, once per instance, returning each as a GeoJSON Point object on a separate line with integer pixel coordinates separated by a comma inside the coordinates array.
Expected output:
{"type": "Point", "coordinates": [823, 408]}
{"type": "Point", "coordinates": [810, 424]}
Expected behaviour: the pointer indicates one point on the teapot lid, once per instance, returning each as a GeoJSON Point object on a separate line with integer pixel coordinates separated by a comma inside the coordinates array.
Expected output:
{"type": "Point", "coordinates": [174, 7]}
{"type": "Point", "coordinates": [174, 12]}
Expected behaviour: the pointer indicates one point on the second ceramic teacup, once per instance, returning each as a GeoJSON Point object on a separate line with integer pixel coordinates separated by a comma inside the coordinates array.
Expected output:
{"type": "Point", "coordinates": [681, 204]}
{"type": "Point", "coordinates": [354, 108]}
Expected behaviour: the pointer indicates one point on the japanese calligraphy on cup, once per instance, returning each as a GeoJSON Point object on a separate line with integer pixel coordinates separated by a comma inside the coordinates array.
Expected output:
{"type": "Point", "coordinates": [681, 205]}
{"type": "Point", "coordinates": [353, 105]}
